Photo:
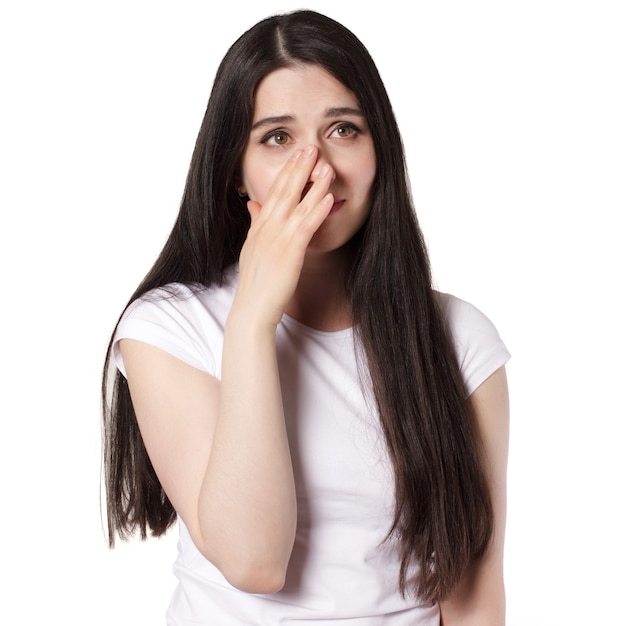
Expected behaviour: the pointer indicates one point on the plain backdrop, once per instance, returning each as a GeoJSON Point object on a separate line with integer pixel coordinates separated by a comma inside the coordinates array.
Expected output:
{"type": "Point", "coordinates": [513, 118]}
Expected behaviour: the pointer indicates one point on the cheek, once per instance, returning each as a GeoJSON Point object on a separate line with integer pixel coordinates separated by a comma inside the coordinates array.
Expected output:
{"type": "Point", "coordinates": [362, 171]}
{"type": "Point", "coordinates": [372, 176]}
{"type": "Point", "coordinates": [258, 178]}
{"type": "Point", "coordinates": [367, 174]}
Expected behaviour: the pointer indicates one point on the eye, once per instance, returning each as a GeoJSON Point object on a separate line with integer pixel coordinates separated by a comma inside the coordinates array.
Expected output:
{"type": "Point", "coordinates": [276, 137]}
{"type": "Point", "coordinates": [345, 130]}
{"type": "Point", "coordinates": [281, 138]}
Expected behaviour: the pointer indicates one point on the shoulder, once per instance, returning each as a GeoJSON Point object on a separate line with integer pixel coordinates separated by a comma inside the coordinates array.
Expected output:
{"type": "Point", "coordinates": [182, 301]}
{"type": "Point", "coordinates": [463, 317]}
{"type": "Point", "coordinates": [186, 320]}
{"type": "Point", "coordinates": [479, 348]}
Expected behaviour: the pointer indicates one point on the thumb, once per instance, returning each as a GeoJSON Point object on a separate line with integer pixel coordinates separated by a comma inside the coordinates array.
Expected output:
{"type": "Point", "coordinates": [254, 208]}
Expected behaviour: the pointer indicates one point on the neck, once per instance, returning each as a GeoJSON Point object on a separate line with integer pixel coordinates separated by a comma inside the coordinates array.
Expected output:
{"type": "Point", "coordinates": [320, 299]}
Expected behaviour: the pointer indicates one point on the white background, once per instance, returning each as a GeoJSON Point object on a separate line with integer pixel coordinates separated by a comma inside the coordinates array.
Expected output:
{"type": "Point", "coordinates": [513, 119]}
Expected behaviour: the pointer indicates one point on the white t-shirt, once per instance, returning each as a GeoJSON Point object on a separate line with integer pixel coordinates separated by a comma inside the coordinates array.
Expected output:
{"type": "Point", "coordinates": [341, 570]}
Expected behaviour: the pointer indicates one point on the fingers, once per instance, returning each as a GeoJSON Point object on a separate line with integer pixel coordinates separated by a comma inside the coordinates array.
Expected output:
{"type": "Point", "coordinates": [317, 193]}
{"type": "Point", "coordinates": [254, 208]}
{"type": "Point", "coordinates": [292, 179]}
{"type": "Point", "coordinates": [302, 183]}
{"type": "Point", "coordinates": [281, 229]}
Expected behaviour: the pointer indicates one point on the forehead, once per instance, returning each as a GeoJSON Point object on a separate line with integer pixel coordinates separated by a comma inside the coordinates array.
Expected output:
{"type": "Point", "coordinates": [301, 88]}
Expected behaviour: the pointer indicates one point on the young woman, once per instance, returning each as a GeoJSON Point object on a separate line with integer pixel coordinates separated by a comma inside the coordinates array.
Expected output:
{"type": "Point", "coordinates": [329, 431]}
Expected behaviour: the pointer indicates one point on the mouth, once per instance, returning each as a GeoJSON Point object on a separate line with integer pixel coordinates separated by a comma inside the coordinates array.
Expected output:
{"type": "Point", "coordinates": [336, 206]}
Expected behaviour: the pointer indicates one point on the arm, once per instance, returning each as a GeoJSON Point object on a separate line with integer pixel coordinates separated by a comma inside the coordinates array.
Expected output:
{"type": "Point", "coordinates": [222, 457]}
{"type": "Point", "coordinates": [220, 448]}
{"type": "Point", "coordinates": [479, 599]}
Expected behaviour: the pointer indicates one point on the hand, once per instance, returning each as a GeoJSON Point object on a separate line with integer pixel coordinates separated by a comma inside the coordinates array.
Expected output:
{"type": "Point", "coordinates": [281, 229]}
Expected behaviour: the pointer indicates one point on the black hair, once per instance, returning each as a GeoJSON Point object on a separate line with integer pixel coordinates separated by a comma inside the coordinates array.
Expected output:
{"type": "Point", "coordinates": [443, 513]}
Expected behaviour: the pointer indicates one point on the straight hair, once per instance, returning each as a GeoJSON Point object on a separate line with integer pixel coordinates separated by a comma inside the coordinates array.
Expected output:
{"type": "Point", "coordinates": [443, 517]}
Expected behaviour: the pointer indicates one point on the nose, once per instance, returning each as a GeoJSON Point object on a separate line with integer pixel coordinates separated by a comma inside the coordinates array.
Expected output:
{"type": "Point", "coordinates": [322, 159]}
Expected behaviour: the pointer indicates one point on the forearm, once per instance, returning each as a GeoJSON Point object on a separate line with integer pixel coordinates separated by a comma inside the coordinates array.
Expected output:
{"type": "Point", "coordinates": [464, 610]}
{"type": "Point", "coordinates": [247, 506]}
{"type": "Point", "coordinates": [479, 599]}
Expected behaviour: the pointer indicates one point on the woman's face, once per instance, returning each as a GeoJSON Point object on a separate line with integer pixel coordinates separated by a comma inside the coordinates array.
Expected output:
{"type": "Point", "coordinates": [303, 105]}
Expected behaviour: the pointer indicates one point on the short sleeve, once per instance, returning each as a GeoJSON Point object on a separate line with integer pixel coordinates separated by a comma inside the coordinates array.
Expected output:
{"type": "Point", "coordinates": [176, 320]}
{"type": "Point", "coordinates": [479, 348]}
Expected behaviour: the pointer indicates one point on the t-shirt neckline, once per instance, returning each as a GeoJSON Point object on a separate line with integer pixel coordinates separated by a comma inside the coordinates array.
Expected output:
{"type": "Point", "coordinates": [293, 323]}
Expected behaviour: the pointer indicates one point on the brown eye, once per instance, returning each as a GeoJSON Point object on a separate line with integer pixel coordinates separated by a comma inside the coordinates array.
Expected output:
{"type": "Point", "coordinates": [276, 138]}
{"type": "Point", "coordinates": [346, 130]}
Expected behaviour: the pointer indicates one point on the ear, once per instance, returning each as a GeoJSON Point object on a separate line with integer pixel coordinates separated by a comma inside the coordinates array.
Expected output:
{"type": "Point", "coordinates": [239, 186]}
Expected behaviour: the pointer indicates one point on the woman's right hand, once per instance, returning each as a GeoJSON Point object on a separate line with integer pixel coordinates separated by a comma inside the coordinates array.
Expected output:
{"type": "Point", "coordinates": [281, 229]}
{"type": "Point", "coordinates": [220, 447]}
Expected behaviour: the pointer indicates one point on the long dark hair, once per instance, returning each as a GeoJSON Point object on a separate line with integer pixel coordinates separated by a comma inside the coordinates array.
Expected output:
{"type": "Point", "coordinates": [443, 515]}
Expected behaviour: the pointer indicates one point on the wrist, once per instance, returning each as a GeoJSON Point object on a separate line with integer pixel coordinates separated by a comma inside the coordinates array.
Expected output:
{"type": "Point", "coordinates": [247, 322]}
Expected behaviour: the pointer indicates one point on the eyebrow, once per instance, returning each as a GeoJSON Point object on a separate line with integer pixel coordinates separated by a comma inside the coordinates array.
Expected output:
{"type": "Point", "coordinates": [330, 112]}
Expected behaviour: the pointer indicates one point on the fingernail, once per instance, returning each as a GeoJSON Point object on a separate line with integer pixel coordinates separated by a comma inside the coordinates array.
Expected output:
{"type": "Point", "coordinates": [320, 170]}
{"type": "Point", "coordinates": [296, 155]}
{"type": "Point", "coordinates": [309, 151]}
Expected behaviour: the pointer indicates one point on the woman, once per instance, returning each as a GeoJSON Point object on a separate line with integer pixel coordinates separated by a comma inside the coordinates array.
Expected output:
{"type": "Point", "coordinates": [291, 387]}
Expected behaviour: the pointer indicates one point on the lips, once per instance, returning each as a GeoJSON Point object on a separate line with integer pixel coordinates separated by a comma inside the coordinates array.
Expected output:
{"type": "Point", "coordinates": [336, 206]}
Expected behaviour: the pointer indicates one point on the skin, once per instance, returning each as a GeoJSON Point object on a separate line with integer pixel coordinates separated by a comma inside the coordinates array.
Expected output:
{"type": "Point", "coordinates": [479, 600]}
{"type": "Point", "coordinates": [305, 108]}
{"type": "Point", "coordinates": [219, 447]}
